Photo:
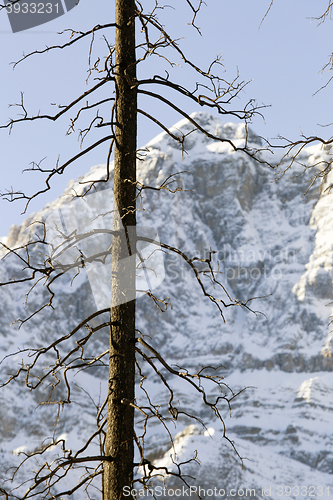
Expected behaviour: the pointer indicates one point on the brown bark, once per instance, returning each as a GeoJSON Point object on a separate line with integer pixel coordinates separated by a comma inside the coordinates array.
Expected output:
{"type": "Point", "coordinates": [120, 425]}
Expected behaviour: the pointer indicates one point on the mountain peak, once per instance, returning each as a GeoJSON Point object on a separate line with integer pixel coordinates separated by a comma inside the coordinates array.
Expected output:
{"type": "Point", "coordinates": [270, 242]}
{"type": "Point", "coordinates": [194, 138]}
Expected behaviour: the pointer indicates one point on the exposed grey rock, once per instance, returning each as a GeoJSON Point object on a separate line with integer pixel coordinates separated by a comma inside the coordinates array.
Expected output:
{"type": "Point", "coordinates": [271, 243]}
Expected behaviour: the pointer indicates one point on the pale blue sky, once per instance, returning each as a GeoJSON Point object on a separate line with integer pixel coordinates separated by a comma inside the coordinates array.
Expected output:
{"type": "Point", "coordinates": [283, 59]}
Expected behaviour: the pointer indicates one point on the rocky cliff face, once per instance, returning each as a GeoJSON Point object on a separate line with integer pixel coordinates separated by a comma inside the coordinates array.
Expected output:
{"type": "Point", "coordinates": [270, 242]}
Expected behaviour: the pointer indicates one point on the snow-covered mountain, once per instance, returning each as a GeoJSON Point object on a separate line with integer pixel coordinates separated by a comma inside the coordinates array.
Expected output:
{"type": "Point", "coordinates": [271, 242]}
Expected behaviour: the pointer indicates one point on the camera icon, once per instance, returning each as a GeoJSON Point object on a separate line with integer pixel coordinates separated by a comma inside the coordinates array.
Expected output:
{"type": "Point", "coordinates": [25, 14]}
{"type": "Point", "coordinates": [79, 238]}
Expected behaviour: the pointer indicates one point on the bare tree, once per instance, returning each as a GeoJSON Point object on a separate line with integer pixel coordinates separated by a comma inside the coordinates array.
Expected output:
{"type": "Point", "coordinates": [116, 112]}
{"type": "Point", "coordinates": [120, 420]}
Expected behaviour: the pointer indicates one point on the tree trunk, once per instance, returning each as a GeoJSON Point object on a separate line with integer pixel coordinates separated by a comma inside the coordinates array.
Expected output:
{"type": "Point", "coordinates": [120, 424]}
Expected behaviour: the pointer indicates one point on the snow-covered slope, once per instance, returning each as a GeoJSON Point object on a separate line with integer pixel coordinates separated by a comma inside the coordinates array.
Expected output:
{"type": "Point", "coordinates": [271, 242]}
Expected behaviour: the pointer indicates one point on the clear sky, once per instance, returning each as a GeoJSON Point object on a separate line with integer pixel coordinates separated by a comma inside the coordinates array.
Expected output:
{"type": "Point", "coordinates": [283, 59]}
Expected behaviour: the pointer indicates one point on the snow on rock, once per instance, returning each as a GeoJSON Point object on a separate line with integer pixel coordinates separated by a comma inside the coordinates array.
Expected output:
{"type": "Point", "coordinates": [271, 242]}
